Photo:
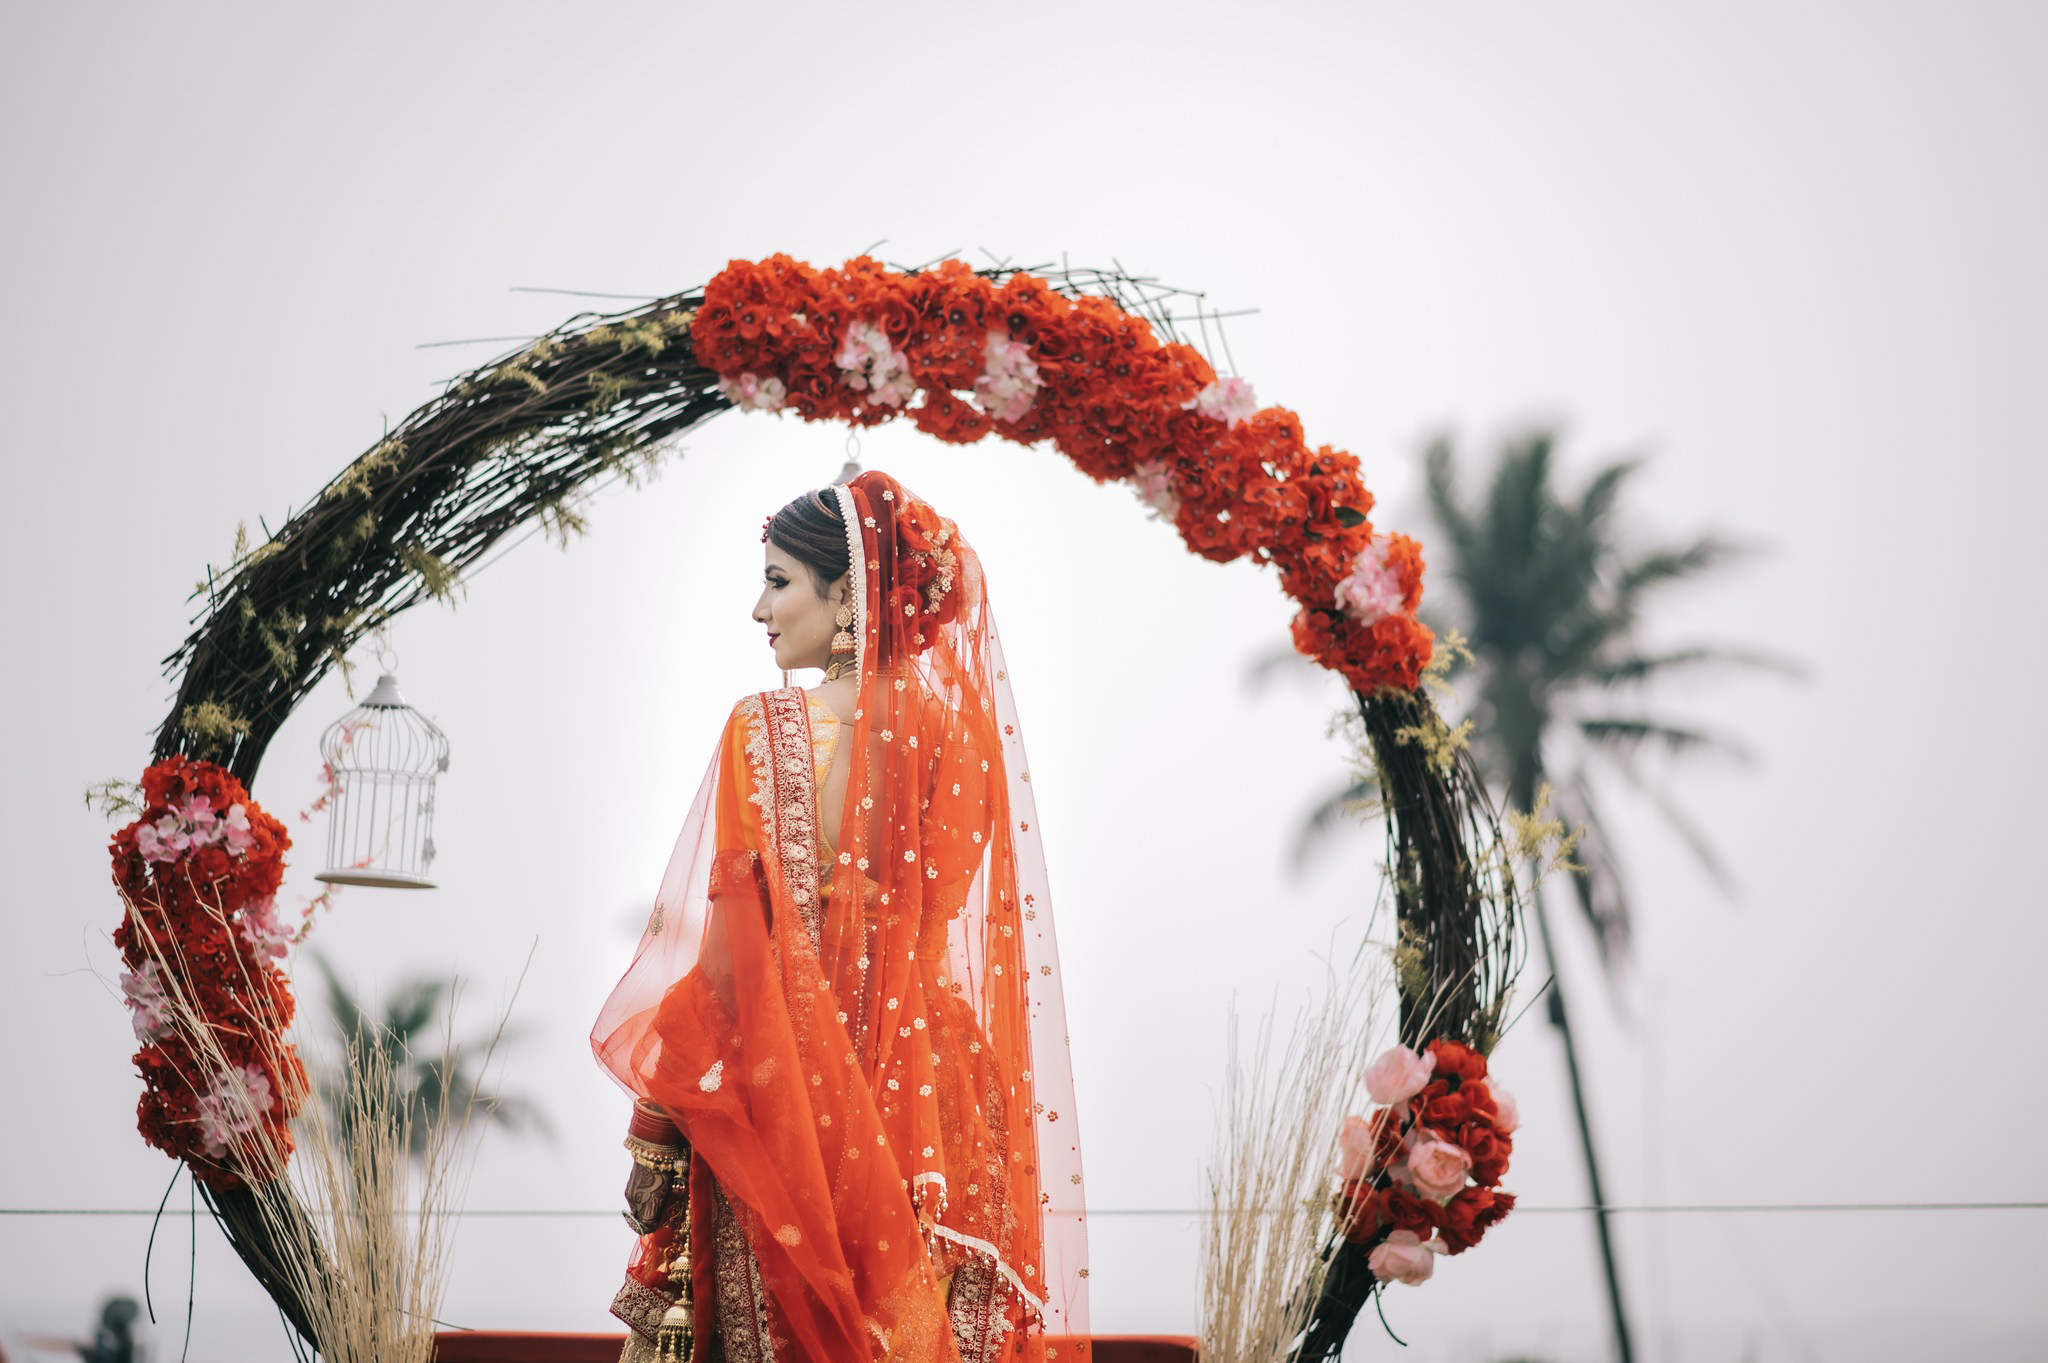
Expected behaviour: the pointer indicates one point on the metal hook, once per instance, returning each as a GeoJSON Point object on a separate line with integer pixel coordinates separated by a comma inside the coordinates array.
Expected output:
{"type": "Point", "coordinates": [387, 656]}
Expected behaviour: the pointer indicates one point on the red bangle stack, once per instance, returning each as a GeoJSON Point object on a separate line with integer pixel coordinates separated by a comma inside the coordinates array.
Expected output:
{"type": "Point", "coordinates": [652, 1125]}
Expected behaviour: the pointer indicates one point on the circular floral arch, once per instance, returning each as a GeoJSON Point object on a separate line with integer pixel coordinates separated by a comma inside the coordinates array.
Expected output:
{"type": "Point", "coordinates": [1088, 362]}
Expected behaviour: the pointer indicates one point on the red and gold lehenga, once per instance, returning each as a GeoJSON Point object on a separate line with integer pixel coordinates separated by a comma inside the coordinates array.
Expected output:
{"type": "Point", "coordinates": [858, 1031]}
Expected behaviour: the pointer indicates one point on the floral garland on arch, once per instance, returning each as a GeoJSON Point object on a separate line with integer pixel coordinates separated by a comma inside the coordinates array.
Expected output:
{"type": "Point", "coordinates": [963, 356]}
{"type": "Point", "coordinates": [1421, 1176]}
{"type": "Point", "coordinates": [199, 871]}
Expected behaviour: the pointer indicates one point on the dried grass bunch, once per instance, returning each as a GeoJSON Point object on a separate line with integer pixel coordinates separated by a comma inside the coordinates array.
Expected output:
{"type": "Point", "coordinates": [1271, 1217]}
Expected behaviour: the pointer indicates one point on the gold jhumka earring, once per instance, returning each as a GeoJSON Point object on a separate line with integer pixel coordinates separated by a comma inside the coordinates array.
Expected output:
{"type": "Point", "coordinates": [845, 648]}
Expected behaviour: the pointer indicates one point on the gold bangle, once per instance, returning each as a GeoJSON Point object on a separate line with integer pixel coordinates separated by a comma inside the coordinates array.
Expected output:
{"type": "Point", "coordinates": [660, 1158]}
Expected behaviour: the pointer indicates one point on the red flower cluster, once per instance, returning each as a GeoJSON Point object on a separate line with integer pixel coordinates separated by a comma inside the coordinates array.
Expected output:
{"type": "Point", "coordinates": [1458, 1118]}
{"type": "Point", "coordinates": [201, 868]}
{"type": "Point", "coordinates": [1107, 392]}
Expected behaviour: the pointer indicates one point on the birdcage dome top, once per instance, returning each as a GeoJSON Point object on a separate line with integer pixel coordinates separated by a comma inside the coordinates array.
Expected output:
{"type": "Point", "coordinates": [385, 735]}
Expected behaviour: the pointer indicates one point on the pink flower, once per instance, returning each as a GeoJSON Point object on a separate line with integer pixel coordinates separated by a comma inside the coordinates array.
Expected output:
{"type": "Point", "coordinates": [1226, 400]}
{"type": "Point", "coordinates": [148, 1005]}
{"type": "Point", "coordinates": [165, 840]}
{"type": "Point", "coordinates": [1154, 486]}
{"type": "Point", "coordinates": [236, 827]}
{"type": "Point", "coordinates": [233, 1106]}
{"type": "Point", "coordinates": [1009, 381]}
{"type": "Point", "coordinates": [1507, 1117]}
{"type": "Point", "coordinates": [1373, 591]}
{"type": "Point", "coordinates": [1354, 1149]}
{"type": "Point", "coordinates": [1403, 1257]}
{"type": "Point", "coordinates": [262, 932]}
{"type": "Point", "coordinates": [1398, 1075]}
{"type": "Point", "coordinates": [1438, 1168]}
{"type": "Point", "coordinates": [748, 392]}
{"type": "Point", "coordinates": [872, 366]}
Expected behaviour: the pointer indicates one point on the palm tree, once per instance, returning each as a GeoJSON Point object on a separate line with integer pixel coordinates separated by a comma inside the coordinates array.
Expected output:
{"type": "Point", "coordinates": [1550, 602]}
{"type": "Point", "coordinates": [433, 1073]}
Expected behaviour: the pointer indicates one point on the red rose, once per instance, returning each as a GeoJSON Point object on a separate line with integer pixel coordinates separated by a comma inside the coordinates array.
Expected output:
{"type": "Point", "coordinates": [1456, 1058]}
{"type": "Point", "coordinates": [1463, 1221]}
{"type": "Point", "coordinates": [1368, 1212]}
{"type": "Point", "coordinates": [1489, 1150]}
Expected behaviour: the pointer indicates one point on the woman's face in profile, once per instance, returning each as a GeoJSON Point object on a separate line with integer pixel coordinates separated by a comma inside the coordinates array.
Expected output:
{"type": "Point", "coordinates": [800, 622]}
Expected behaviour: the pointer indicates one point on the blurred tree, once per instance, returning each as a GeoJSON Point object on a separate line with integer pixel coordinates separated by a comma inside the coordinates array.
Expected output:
{"type": "Point", "coordinates": [1549, 601]}
{"type": "Point", "coordinates": [435, 1074]}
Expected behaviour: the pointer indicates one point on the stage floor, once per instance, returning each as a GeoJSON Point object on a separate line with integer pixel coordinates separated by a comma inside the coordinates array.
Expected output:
{"type": "Point", "coordinates": [510, 1346]}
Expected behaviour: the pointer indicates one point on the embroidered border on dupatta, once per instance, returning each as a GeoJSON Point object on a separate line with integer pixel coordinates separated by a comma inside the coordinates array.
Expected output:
{"type": "Point", "coordinates": [793, 800]}
{"type": "Point", "coordinates": [857, 564]}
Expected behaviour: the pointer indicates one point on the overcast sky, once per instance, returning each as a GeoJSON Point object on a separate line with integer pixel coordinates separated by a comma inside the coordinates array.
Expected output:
{"type": "Point", "coordinates": [1790, 254]}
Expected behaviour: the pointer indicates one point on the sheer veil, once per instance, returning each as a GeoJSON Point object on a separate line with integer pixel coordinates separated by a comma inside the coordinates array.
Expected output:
{"type": "Point", "coordinates": [861, 1030]}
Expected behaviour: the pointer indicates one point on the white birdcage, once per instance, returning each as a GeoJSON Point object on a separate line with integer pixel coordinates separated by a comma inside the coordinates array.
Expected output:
{"type": "Point", "coordinates": [382, 758]}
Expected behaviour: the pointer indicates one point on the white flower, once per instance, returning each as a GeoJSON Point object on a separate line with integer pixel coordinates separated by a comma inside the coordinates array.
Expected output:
{"type": "Point", "coordinates": [1009, 381]}
{"type": "Point", "coordinates": [751, 392]}
{"type": "Point", "coordinates": [1227, 400]}
{"type": "Point", "coordinates": [713, 1077]}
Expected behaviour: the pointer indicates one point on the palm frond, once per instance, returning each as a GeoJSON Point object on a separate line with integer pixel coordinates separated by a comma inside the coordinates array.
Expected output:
{"type": "Point", "coordinates": [1661, 567]}
{"type": "Point", "coordinates": [1597, 502]}
{"type": "Point", "coordinates": [1278, 662]}
{"type": "Point", "coordinates": [1680, 822]}
{"type": "Point", "coordinates": [1631, 735]}
{"type": "Point", "coordinates": [349, 1019]}
{"type": "Point", "coordinates": [1331, 814]}
{"type": "Point", "coordinates": [1637, 668]}
{"type": "Point", "coordinates": [1441, 470]}
{"type": "Point", "coordinates": [1599, 889]}
{"type": "Point", "coordinates": [413, 1006]}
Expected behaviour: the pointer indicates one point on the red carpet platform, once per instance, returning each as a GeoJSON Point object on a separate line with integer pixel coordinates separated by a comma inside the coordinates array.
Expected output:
{"type": "Point", "coordinates": [510, 1346]}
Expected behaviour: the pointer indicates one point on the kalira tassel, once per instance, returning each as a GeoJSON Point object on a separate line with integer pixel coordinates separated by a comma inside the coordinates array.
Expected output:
{"type": "Point", "coordinates": [676, 1340]}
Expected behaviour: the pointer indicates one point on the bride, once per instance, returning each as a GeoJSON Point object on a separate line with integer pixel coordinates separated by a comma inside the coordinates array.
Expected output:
{"type": "Point", "coordinates": [853, 1135]}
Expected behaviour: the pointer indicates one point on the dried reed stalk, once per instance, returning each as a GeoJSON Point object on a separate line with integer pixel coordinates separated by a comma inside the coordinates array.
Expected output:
{"type": "Point", "coordinates": [1271, 1217]}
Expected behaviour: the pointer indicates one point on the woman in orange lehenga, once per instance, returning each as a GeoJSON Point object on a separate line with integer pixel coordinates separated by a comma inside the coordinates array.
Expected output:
{"type": "Point", "coordinates": [854, 1132]}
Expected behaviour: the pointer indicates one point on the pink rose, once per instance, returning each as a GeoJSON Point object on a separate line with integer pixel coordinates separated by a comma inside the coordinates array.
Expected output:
{"type": "Point", "coordinates": [1438, 1168]}
{"type": "Point", "coordinates": [1355, 1140]}
{"type": "Point", "coordinates": [1398, 1075]}
{"type": "Point", "coordinates": [1403, 1257]}
{"type": "Point", "coordinates": [1506, 1117]}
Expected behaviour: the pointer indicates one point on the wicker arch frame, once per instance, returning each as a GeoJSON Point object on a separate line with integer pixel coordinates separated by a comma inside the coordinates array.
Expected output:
{"type": "Point", "coordinates": [517, 443]}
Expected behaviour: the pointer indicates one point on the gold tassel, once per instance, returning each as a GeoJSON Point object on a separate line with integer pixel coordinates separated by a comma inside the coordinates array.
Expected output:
{"type": "Point", "coordinates": [676, 1339]}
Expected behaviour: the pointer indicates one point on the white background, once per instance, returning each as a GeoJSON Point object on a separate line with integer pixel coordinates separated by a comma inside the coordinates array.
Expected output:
{"type": "Point", "coordinates": [1792, 254]}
